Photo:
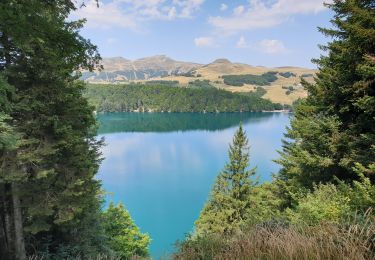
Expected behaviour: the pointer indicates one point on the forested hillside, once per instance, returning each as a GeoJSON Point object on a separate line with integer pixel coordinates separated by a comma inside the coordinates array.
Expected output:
{"type": "Point", "coordinates": [221, 74]}
{"type": "Point", "coordinates": [321, 203]}
{"type": "Point", "coordinates": [161, 98]}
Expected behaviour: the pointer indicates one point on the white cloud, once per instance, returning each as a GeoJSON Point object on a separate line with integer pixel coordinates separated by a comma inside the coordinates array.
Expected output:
{"type": "Point", "coordinates": [172, 13]}
{"type": "Point", "coordinates": [131, 14]}
{"type": "Point", "coordinates": [108, 15]}
{"type": "Point", "coordinates": [271, 46]}
{"type": "Point", "coordinates": [188, 7]}
{"type": "Point", "coordinates": [204, 42]}
{"type": "Point", "coordinates": [223, 7]}
{"type": "Point", "coordinates": [265, 46]}
{"type": "Point", "coordinates": [242, 43]}
{"type": "Point", "coordinates": [239, 10]}
{"type": "Point", "coordinates": [111, 40]}
{"type": "Point", "coordinates": [261, 14]}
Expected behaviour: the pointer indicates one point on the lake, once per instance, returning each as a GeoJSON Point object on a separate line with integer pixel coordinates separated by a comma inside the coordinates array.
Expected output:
{"type": "Point", "coordinates": [162, 165]}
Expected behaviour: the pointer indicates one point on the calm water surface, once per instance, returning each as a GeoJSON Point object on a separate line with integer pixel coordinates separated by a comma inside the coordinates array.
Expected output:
{"type": "Point", "coordinates": [162, 165]}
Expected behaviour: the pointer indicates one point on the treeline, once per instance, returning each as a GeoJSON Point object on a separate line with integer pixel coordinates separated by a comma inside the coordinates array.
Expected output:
{"type": "Point", "coordinates": [287, 74]}
{"type": "Point", "coordinates": [261, 80]}
{"type": "Point", "coordinates": [172, 83]}
{"type": "Point", "coordinates": [161, 98]}
{"type": "Point", "coordinates": [205, 83]}
{"type": "Point", "coordinates": [321, 203]}
{"type": "Point", "coordinates": [50, 200]}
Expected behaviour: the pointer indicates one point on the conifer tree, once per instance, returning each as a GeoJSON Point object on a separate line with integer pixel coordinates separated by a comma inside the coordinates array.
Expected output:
{"type": "Point", "coordinates": [332, 134]}
{"type": "Point", "coordinates": [49, 198]}
{"type": "Point", "coordinates": [226, 208]}
{"type": "Point", "coordinates": [124, 237]}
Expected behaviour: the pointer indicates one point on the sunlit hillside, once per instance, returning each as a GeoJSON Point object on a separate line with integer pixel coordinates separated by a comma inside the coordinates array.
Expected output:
{"type": "Point", "coordinates": [285, 89]}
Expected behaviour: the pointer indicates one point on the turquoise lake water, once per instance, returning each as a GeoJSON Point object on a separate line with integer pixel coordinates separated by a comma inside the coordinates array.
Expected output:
{"type": "Point", "coordinates": [162, 165]}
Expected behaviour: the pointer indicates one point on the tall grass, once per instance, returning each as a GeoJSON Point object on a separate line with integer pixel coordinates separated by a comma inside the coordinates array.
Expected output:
{"type": "Point", "coordinates": [98, 257]}
{"type": "Point", "coordinates": [354, 239]}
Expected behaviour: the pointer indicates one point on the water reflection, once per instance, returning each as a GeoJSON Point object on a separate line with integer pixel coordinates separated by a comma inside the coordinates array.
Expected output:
{"type": "Point", "coordinates": [163, 171]}
{"type": "Point", "coordinates": [170, 122]}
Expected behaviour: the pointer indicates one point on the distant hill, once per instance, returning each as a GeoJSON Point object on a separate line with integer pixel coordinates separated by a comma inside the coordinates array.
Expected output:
{"type": "Point", "coordinates": [284, 88]}
{"type": "Point", "coordinates": [119, 69]}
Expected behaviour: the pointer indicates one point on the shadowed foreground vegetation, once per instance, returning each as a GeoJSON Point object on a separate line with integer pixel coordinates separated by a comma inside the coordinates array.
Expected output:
{"type": "Point", "coordinates": [277, 241]}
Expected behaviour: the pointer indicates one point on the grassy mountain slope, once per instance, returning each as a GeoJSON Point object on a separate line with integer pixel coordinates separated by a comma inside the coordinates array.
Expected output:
{"type": "Point", "coordinates": [161, 67]}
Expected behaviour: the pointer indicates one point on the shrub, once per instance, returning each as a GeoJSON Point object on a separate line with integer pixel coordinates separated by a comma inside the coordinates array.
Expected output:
{"type": "Point", "coordinates": [325, 203]}
{"type": "Point", "coordinates": [333, 203]}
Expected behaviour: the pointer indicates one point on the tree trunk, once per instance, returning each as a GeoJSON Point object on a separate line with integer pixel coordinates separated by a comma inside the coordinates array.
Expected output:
{"type": "Point", "coordinates": [7, 227]}
{"type": "Point", "coordinates": [3, 242]}
{"type": "Point", "coordinates": [19, 243]}
{"type": "Point", "coordinates": [4, 246]}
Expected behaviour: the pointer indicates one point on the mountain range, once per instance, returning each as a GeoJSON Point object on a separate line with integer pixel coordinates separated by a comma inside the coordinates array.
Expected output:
{"type": "Point", "coordinates": [162, 67]}
{"type": "Point", "coordinates": [119, 69]}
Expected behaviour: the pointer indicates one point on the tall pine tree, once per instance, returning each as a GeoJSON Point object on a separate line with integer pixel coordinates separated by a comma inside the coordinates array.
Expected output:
{"type": "Point", "coordinates": [332, 134]}
{"type": "Point", "coordinates": [226, 208]}
{"type": "Point", "coordinates": [49, 198]}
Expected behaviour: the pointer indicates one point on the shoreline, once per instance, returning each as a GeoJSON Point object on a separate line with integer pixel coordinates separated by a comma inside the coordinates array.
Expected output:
{"type": "Point", "coordinates": [199, 112]}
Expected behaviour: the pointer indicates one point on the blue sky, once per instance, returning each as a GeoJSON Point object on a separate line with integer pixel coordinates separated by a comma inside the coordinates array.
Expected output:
{"type": "Point", "coordinates": [258, 32]}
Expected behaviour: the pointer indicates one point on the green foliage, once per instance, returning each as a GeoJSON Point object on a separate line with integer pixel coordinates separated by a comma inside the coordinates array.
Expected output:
{"type": "Point", "coordinates": [261, 80]}
{"type": "Point", "coordinates": [334, 130]}
{"type": "Point", "coordinates": [287, 74]}
{"type": "Point", "coordinates": [171, 83]}
{"type": "Point", "coordinates": [259, 92]}
{"type": "Point", "coordinates": [266, 204]}
{"type": "Point", "coordinates": [325, 203]}
{"type": "Point", "coordinates": [50, 198]}
{"type": "Point", "coordinates": [226, 208]}
{"type": "Point", "coordinates": [129, 98]}
{"type": "Point", "coordinates": [124, 237]}
{"type": "Point", "coordinates": [205, 83]}
{"type": "Point", "coordinates": [333, 203]}
{"type": "Point", "coordinates": [311, 158]}
{"type": "Point", "coordinates": [290, 89]}
{"type": "Point", "coordinates": [9, 139]}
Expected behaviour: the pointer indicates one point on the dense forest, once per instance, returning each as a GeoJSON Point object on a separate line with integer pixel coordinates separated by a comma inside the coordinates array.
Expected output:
{"type": "Point", "coordinates": [50, 202]}
{"type": "Point", "coordinates": [321, 203]}
{"type": "Point", "coordinates": [164, 98]}
{"type": "Point", "coordinates": [261, 80]}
